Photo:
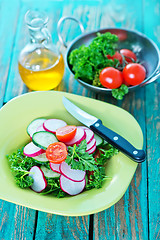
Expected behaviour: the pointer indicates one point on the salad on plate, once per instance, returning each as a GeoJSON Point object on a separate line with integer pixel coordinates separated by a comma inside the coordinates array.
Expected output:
{"type": "Point", "coordinates": [60, 159]}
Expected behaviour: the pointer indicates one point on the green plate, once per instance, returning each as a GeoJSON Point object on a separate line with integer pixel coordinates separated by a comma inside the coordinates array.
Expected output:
{"type": "Point", "coordinates": [20, 111]}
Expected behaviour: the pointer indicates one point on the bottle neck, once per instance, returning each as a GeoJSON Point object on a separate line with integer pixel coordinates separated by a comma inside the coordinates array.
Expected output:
{"type": "Point", "coordinates": [38, 36]}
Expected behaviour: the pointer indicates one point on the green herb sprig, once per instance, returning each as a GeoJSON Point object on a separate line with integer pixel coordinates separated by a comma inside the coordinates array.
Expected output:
{"type": "Point", "coordinates": [87, 61]}
{"type": "Point", "coordinates": [20, 166]}
{"type": "Point", "coordinates": [78, 158]}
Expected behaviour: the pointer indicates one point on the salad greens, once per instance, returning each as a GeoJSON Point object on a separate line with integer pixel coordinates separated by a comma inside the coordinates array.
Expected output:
{"type": "Point", "coordinates": [88, 61]}
{"type": "Point", "coordinates": [119, 93]}
{"type": "Point", "coordinates": [77, 158]}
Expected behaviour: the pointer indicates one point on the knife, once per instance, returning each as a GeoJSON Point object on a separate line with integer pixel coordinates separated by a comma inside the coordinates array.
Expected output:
{"type": "Point", "coordinates": [110, 136]}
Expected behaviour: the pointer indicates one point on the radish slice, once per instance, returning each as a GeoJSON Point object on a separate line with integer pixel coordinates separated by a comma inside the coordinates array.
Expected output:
{"type": "Point", "coordinates": [31, 150]}
{"type": "Point", "coordinates": [52, 125]}
{"type": "Point", "coordinates": [41, 158]}
{"type": "Point", "coordinates": [80, 135]}
{"type": "Point", "coordinates": [91, 144]}
{"type": "Point", "coordinates": [89, 133]}
{"type": "Point", "coordinates": [84, 127]}
{"type": "Point", "coordinates": [40, 129]}
{"type": "Point", "coordinates": [49, 173]}
{"type": "Point", "coordinates": [55, 167]}
{"type": "Point", "coordinates": [71, 187]}
{"type": "Point", "coordinates": [72, 174]}
{"type": "Point", "coordinates": [40, 182]}
{"type": "Point", "coordinates": [92, 150]}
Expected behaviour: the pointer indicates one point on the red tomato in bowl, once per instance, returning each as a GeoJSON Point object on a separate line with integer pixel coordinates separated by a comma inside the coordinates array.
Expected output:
{"type": "Point", "coordinates": [129, 55]}
{"type": "Point", "coordinates": [134, 73]}
{"type": "Point", "coordinates": [117, 56]}
{"type": "Point", "coordinates": [111, 77]}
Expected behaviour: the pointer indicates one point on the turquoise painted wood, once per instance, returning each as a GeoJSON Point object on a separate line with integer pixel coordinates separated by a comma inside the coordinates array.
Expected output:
{"type": "Point", "coordinates": [129, 221]}
{"type": "Point", "coordinates": [16, 222]}
{"type": "Point", "coordinates": [137, 214]}
{"type": "Point", "coordinates": [152, 28]}
{"type": "Point", "coordinates": [7, 33]}
{"type": "Point", "coordinates": [59, 227]}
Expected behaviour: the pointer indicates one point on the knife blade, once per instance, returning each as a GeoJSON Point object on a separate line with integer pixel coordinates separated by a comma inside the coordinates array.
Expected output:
{"type": "Point", "coordinates": [107, 134]}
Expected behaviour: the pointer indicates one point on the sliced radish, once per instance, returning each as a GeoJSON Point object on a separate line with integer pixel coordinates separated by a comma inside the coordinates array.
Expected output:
{"type": "Point", "coordinates": [72, 174]}
{"type": "Point", "coordinates": [49, 173]}
{"type": "Point", "coordinates": [55, 167]}
{"type": "Point", "coordinates": [40, 128]}
{"type": "Point", "coordinates": [39, 181]}
{"type": "Point", "coordinates": [41, 158]}
{"type": "Point", "coordinates": [92, 150]}
{"type": "Point", "coordinates": [52, 125]}
{"type": "Point", "coordinates": [71, 187]}
{"type": "Point", "coordinates": [80, 135]}
{"type": "Point", "coordinates": [91, 144]}
{"type": "Point", "coordinates": [32, 127]}
{"type": "Point", "coordinates": [89, 133]}
{"type": "Point", "coordinates": [31, 150]}
{"type": "Point", "coordinates": [84, 127]}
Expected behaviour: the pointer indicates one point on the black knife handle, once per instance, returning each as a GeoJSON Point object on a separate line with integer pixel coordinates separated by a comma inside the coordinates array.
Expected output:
{"type": "Point", "coordinates": [119, 142]}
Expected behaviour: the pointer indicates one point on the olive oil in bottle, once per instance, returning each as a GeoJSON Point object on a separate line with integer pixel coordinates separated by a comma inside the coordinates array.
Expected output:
{"type": "Point", "coordinates": [40, 64]}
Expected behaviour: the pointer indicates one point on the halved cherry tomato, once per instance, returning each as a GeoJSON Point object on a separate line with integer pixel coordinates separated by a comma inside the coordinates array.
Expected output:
{"type": "Point", "coordinates": [134, 73]}
{"type": "Point", "coordinates": [117, 56]}
{"type": "Point", "coordinates": [67, 133]}
{"type": "Point", "coordinates": [111, 77]}
{"type": "Point", "coordinates": [56, 152]}
{"type": "Point", "coordinates": [129, 55]}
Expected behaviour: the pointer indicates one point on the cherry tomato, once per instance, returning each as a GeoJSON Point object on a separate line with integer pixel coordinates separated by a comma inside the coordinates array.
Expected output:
{"type": "Point", "coordinates": [66, 133]}
{"type": "Point", "coordinates": [129, 55]}
{"type": "Point", "coordinates": [117, 56]}
{"type": "Point", "coordinates": [121, 34]}
{"type": "Point", "coordinates": [134, 73]}
{"type": "Point", "coordinates": [111, 77]}
{"type": "Point", "coordinates": [56, 152]}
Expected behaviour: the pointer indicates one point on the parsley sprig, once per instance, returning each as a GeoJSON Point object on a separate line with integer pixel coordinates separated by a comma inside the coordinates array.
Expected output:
{"type": "Point", "coordinates": [87, 61]}
{"type": "Point", "coordinates": [20, 166]}
{"type": "Point", "coordinates": [119, 93]}
{"type": "Point", "coordinates": [105, 154]}
{"type": "Point", "coordinates": [78, 158]}
{"type": "Point", "coordinates": [53, 187]}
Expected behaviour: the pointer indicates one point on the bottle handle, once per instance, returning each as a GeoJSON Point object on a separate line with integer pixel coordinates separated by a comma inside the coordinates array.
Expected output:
{"type": "Point", "coordinates": [63, 19]}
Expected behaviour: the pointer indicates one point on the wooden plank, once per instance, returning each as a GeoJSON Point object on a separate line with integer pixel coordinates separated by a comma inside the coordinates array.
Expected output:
{"type": "Point", "coordinates": [153, 143]}
{"type": "Point", "coordinates": [130, 213]}
{"type": "Point", "coordinates": [50, 226]}
{"type": "Point", "coordinates": [132, 218]}
{"type": "Point", "coordinates": [70, 30]}
{"type": "Point", "coordinates": [16, 222]}
{"type": "Point", "coordinates": [7, 34]}
{"type": "Point", "coordinates": [15, 86]}
{"type": "Point", "coordinates": [107, 229]}
{"type": "Point", "coordinates": [152, 30]}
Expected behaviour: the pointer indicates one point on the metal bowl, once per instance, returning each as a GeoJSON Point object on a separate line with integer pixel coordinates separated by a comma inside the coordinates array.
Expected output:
{"type": "Point", "coordinates": [145, 49]}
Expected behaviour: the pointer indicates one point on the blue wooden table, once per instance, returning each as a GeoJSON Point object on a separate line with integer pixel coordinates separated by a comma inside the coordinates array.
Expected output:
{"type": "Point", "coordinates": [137, 214]}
